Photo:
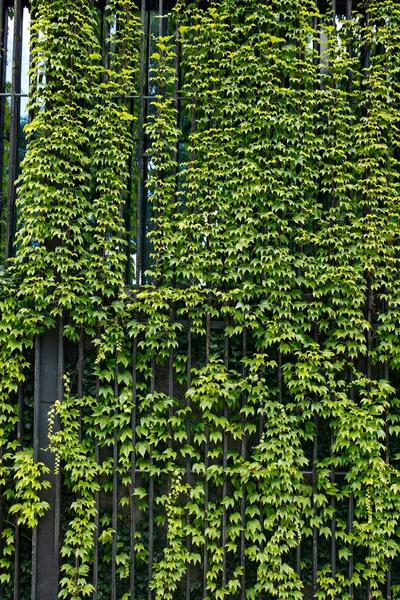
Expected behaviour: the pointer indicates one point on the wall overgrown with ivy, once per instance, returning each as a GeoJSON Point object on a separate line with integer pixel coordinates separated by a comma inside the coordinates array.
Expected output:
{"type": "Point", "coordinates": [275, 199]}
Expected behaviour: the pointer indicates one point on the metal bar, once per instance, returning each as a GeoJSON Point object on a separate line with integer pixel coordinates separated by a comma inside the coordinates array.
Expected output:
{"type": "Point", "coordinates": [279, 376]}
{"type": "Point", "coordinates": [160, 91]}
{"type": "Point", "coordinates": [261, 509]}
{"type": "Point", "coordinates": [170, 393]}
{"type": "Point", "coordinates": [57, 491]}
{"type": "Point", "coordinates": [81, 365]}
{"type": "Point", "coordinates": [298, 560]}
{"type": "Point", "coordinates": [389, 583]}
{"type": "Point", "coordinates": [188, 441]}
{"type": "Point", "coordinates": [20, 425]}
{"type": "Point", "coordinates": [17, 532]}
{"type": "Point", "coordinates": [224, 466]}
{"type": "Point", "coordinates": [80, 370]}
{"type": "Point", "coordinates": [370, 302]}
{"type": "Point", "coordinates": [151, 490]}
{"type": "Point", "coordinates": [105, 39]}
{"type": "Point", "coordinates": [97, 504]}
{"type": "Point", "coordinates": [243, 499]}
{"type": "Point", "coordinates": [333, 505]}
{"type": "Point", "coordinates": [1, 523]}
{"type": "Point", "coordinates": [14, 128]}
{"type": "Point", "coordinates": [36, 399]}
{"type": "Point", "coordinates": [349, 14]}
{"type": "Point", "coordinates": [128, 208]}
{"type": "Point", "coordinates": [17, 556]}
{"type": "Point", "coordinates": [140, 199]}
{"type": "Point", "coordinates": [3, 70]}
{"type": "Point", "coordinates": [177, 84]}
{"type": "Point", "coordinates": [206, 466]}
{"type": "Point", "coordinates": [387, 459]}
{"type": "Point", "coordinates": [47, 389]}
{"type": "Point", "coordinates": [133, 471]}
{"type": "Point", "coordinates": [315, 529]}
{"type": "Point", "coordinates": [351, 546]}
{"type": "Point", "coordinates": [161, 22]}
{"type": "Point", "coordinates": [387, 434]}
{"type": "Point", "coordinates": [146, 208]}
{"type": "Point", "coordinates": [115, 489]}
{"type": "Point", "coordinates": [12, 94]}
{"type": "Point", "coordinates": [366, 51]}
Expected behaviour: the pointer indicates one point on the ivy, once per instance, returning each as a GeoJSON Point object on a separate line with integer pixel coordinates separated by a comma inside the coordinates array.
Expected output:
{"type": "Point", "coordinates": [274, 187]}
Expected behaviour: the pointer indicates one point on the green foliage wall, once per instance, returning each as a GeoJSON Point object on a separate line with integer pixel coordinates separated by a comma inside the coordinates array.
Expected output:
{"type": "Point", "coordinates": [275, 195]}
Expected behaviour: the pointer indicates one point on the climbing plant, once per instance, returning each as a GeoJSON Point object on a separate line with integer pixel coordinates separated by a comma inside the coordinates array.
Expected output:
{"type": "Point", "coordinates": [234, 432]}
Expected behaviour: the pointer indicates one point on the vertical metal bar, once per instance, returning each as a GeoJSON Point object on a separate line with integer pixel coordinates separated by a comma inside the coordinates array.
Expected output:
{"type": "Point", "coordinates": [17, 554]}
{"type": "Point", "coordinates": [189, 379]}
{"type": "Point", "coordinates": [351, 546]}
{"type": "Point", "coordinates": [105, 34]}
{"type": "Point", "coordinates": [387, 459]}
{"type": "Point", "coordinates": [333, 505]}
{"type": "Point", "coordinates": [349, 13]}
{"type": "Point", "coordinates": [298, 560]}
{"type": "Point", "coordinates": [177, 85]}
{"type": "Point", "coordinates": [206, 466]}
{"type": "Point", "coordinates": [151, 490]}
{"type": "Point", "coordinates": [36, 399]}
{"type": "Point", "coordinates": [17, 533]}
{"type": "Point", "coordinates": [370, 302]}
{"type": "Point", "coordinates": [387, 435]}
{"type": "Point", "coordinates": [140, 199]}
{"type": "Point", "coordinates": [170, 393]}
{"type": "Point", "coordinates": [1, 525]}
{"type": "Point", "coordinates": [160, 91]}
{"type": "Point", "coordinates": [129, 205]}
{"type": "Point", "coordinates": [279, 376]}
{"type": "Point", "coordinates": [81, 365]}
{"type": "Point", "coordinates": [57, 492]}
{"type": "Point", "coordinates": [224, 466]}
{"type": "Point", "coordinates": [366, 51]}
{"type": "Point", "coordinates": [146, 208]}
{"type": "Point", "coordinates": [243, 499]}
{"type": "Point", "coordinates": [14, 127]}
{"type": "Point", "coordinates": [389, 583]}
{"type": "Point", "coordinates": [97, 504]}
{"type": "Point", "coordinates": [315, 529]}
{"type": "Point", "coordinates": [133, 470]}
{"type": "Point", "coordinates": [3, 103]}
{"type": "Point", "coordinates": [80, 369]}
{"type": "Point", "coordinates": [1, 522]}
{"type": "Point", "coordinates": [3, 37]}
{"type": "Point", "coordinates": [115, 489]}
{"type": "Point", "coordinates": [177, 123]}
{"type": "Point", "coordinates": [188, 441]}
{"type": "Point", "coordinates": [161, 16]}
{"type": "Point", "coordinates": [48, 387]}
{"type": "Point", "coordinates": [32, 43]}
{"type": "Point", "coordinates": [20, 425]}
{"type": "Point", "coordinates": [261, 508]}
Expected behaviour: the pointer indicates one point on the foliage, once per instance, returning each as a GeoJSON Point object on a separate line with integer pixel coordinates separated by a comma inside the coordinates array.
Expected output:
{"type": "Point", "coordinates": [275, 191]}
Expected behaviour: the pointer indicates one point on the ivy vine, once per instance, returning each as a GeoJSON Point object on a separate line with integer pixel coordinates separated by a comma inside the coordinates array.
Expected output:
{"type": "Point", "coordinates": [274, 183]}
